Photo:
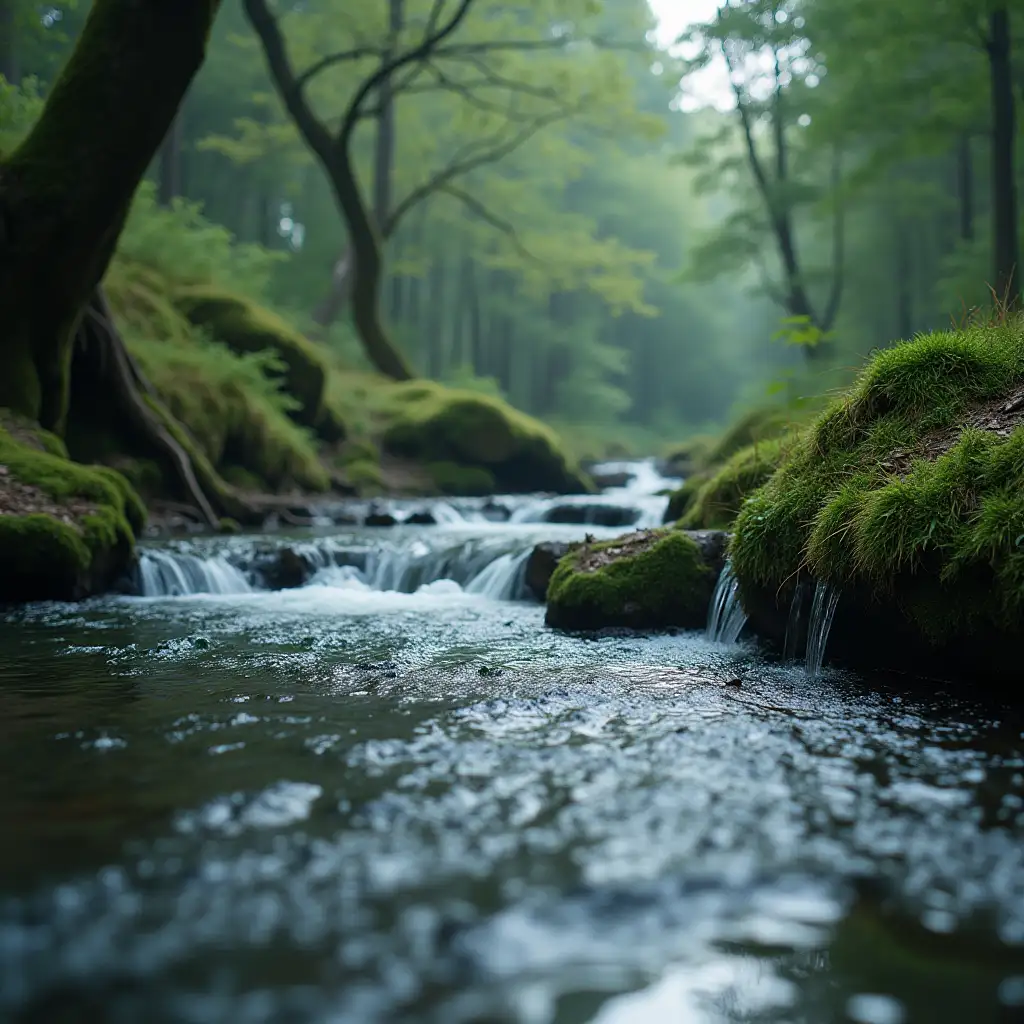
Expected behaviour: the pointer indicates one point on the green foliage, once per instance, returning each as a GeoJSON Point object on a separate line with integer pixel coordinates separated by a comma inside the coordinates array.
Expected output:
{"type": "Point", "coordinates": [185, 247]}
{"type": "Point", "coordinates": [19, 108]}
{"type": "Point", "coordinates": [232, 407]}
{"type": "Point", "coordinates": [648, 580]}
{"type": "Point", "coordinates": [801, 332]}
{"type": "Point", "coordinates": [246, 328]}
{"type": "Point", "coordinates": [901, 487]}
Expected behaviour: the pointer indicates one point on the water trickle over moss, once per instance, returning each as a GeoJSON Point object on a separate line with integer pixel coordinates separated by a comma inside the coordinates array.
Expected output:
{"type": "Point", "coordinates": [910, 487]}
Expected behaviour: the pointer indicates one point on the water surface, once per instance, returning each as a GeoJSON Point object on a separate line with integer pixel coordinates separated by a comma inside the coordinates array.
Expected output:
{"type": "Point", "coordinates": [344, 804]}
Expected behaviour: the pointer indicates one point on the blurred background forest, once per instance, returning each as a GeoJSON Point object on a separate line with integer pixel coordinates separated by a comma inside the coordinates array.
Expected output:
{"type": "Point", "coordinates": [634, 223]}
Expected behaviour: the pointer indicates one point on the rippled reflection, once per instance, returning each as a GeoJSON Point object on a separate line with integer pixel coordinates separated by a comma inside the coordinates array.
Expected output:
{"type": "Point", "coordinates": [329, 805]}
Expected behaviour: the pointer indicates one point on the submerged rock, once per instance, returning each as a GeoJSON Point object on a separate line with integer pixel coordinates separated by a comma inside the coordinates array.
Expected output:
{"type": "Point", "coordinates": [602, 481]}
{"type": "Point", "coordinates": [907, 496]}
{"type": "Point", "coordinates": [379, 517]}
{"type": "Point", "coordinates": [646, 580]}
{"type": "Point", "coordinates": [423, 517]}
{"type": "Point", "coordinates": [67, 531]}
{"type": "Point", "coordinates": [282, 569]}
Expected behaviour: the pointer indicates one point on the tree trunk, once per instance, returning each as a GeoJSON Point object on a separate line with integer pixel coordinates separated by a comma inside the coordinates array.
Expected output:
{"type": "Point", "coordinates": [965, 187]}
{"type": "Point", "coordinates": [475, 324]}
{"type": "Point", "coordinates": [9, 56]}
{"type": "Point", "coordinates": [1004, 185]}
{"type": "Point", "coordinates": [65, 190]}
{"type": "Point", "coordinates": [170, 184]}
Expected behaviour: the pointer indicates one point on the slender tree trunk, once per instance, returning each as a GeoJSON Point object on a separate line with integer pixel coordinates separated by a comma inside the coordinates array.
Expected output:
{"type": "Point", "coordinates": [475, 325]}
{"type": "Point", "coordinates": [65, 190]}
{"type": "Point", "coordinates": [435, 319]}
{"type": "Point", "coordinates": [965, 186]}
{"type": "Point", "coordinates": [170, 184]}
{"type": "Point", "coordinates": [1004, 184]}
{"type": "Point", "coordinates": [9, 57]}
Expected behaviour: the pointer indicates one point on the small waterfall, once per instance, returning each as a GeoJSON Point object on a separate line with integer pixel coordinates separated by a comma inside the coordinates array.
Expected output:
{"type": "Point", "coordinates": [823, 610]}
{"type": "Point", "coordinates": [173, 574]}
{"type": "Point", "coordinates": [795, 622]}
{"type": "Point", "coordinates": [726, 617]}
{"type": "Point", "coordinates": [502, 580]}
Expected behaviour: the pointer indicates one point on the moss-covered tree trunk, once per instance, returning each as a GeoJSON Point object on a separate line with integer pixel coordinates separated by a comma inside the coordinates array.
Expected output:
{"type": "Point", "coordinates": [65, 191]}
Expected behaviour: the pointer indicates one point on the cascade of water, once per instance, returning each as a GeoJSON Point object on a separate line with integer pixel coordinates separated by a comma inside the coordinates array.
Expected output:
{"type": "Point", "coordinates": [502, 580]}
{"type": "Point", "coordinates": [823, 610]}
{"type": "Point", "coordinates": [726, 617]}
{"type": "Point", "coordinates": [172, 574]}
{"type": "Point", "coordinates": [796, 608]}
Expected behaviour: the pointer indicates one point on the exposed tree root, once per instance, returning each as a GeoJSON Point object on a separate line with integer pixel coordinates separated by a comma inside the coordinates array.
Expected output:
{"type": "Point", "coordinates": [149, 420]}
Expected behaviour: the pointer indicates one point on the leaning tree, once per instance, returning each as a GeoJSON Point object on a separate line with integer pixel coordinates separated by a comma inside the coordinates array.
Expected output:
{"type": "Point", "coordinates": [65, 192]}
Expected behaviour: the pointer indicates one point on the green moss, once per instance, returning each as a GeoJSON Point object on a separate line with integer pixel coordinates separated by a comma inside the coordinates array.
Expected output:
{"type": "Point", "coordinates": [681, 499]}
{"type": "Point", "coordinates": [77, 530]}
{"type": "Point", "coordinates": [246, 328]}
{"type": "Point", "coordinates": [646, 580]}
{"type": "Point", "coordinates": [717, 501]}
{"type": "Point", "coordinates": [233, 411]}
{"type": "Point", "coordinates": [434, 424]}
{"type": "Point", "coordinates": [753, 427]}
{"type": "Point", "coordinates": [461, 481]}
{"type": "Point", "coordinates": [901, 487]}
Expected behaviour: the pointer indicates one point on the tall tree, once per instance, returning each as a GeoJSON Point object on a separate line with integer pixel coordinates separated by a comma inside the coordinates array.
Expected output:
{"type": "Point", "coordinates": [763, 46]}
{"type": "Point", "coordinates": [64, 192]}
{"type": "Point", "coordinates": [10, 65]}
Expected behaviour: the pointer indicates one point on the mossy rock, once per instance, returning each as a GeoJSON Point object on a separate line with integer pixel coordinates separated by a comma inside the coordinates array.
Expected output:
{"type": "Point", "coordinates": [715, 501]}
{"type": "Point", "coordinates": [434, 424]}
{"type": "Point", "coordinates": [907, 494]}
{"type": "Point", "coordinates": [647, 580]}
{"type": "Point", "coordinates": [66, 530]}
{"type": "Point", "coordinates": [688, 456]}
{"type": "Point", "coordinates": [245, 327]}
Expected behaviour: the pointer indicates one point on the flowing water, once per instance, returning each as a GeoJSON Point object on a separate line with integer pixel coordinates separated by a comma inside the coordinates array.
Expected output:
{"type": "Point", "coordinates": [383, 797]}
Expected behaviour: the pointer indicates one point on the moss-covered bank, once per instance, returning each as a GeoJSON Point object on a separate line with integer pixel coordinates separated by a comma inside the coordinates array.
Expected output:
{"type": "Point", "coordinates": [66, 530]}
{"type": "Point", "coordinates": [908, 495]}
{"type": "Point", "coordinates": [447, 429]}
{"type": "Point", "coordinates": [647, 580]}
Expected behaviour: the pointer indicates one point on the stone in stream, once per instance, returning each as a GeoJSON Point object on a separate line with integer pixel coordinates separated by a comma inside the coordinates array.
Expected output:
{"type": "Point", "coordinates": [605, 480]}
{"type": "Point", "coordinates": [593, 515]}
{"type": "Point", "coordinates": [378, 517]}
{"type": "Point", "coordinates": [541, 565]}
{"type": "Point", "coordinates": [282, 569]}
{"type": "Point", "coordinates": [422, 517]}
{"type": "Point", "coordinates": [650, 579]}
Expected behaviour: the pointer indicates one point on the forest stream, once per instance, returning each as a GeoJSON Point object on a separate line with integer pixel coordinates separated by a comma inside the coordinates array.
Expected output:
{"type": "Point", "coordinates": [352, 802]}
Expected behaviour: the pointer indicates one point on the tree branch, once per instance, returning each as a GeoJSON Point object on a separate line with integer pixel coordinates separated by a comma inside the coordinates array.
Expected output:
{"type": "Point", "coordinates": [312, 128]}
{"type": "Point", "coordinates": [469, 162]}
{"type": "Point", "coordinates": [424, 49]}
{"type": "Point", "coordinates": [333, 59]}
{"type": "Point", "coordinates": [505, 227]}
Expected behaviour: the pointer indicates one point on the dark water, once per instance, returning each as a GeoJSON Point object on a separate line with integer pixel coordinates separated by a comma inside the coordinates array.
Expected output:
{"type": "Point", "coordinates": [340, 805]}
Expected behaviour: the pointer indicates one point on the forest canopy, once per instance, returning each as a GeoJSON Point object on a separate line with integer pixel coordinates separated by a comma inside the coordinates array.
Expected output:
{"type": "Point", "coordinates": [557, 220]}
